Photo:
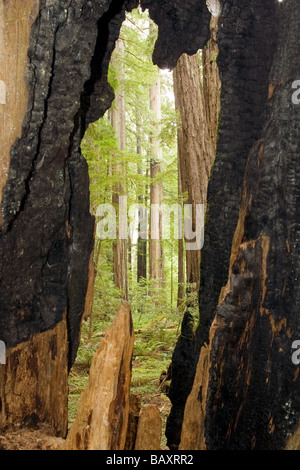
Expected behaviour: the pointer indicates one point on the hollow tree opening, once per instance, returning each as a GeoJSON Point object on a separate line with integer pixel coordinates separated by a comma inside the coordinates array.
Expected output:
{"type": "Point", "coordinates": [247, 395]}
{"type": "Point", "coordinates": [134, 189]}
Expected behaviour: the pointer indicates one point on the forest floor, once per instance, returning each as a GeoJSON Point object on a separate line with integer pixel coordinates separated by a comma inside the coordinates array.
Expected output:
{"type": "Point", "coordinates": [155, 339]}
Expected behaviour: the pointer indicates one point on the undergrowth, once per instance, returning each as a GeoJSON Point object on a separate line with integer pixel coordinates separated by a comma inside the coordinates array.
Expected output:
{"type": "Point", "coordinates": [156, 330]}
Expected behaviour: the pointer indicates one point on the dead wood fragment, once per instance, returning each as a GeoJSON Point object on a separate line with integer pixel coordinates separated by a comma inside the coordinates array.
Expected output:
{"type": "Point", "coordinates": [149, 429]}
{"type": "Point", "coordinates": [102, 417]}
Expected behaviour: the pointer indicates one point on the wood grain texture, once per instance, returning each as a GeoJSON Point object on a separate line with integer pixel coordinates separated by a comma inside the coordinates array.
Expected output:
{"type": "Point", "coordinates": [149, 429]}
{"type": "Point", "coordinates": [33, 382]}
{"type": "Point", "coordinates": [193, 425]}
{"type": "Point", "coordinates": [135, 405]}
{"type": "Point", "coordinates": [16, 19]}
{"type": "Point", "coordinates": [102, 417]}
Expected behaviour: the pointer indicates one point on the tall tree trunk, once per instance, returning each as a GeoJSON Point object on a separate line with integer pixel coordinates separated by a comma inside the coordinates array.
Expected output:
{"type": "Point", "coordinates": [156, 262]}
{"type": "Point", "coordinates": [196, 151]}
{"type": "Point", "coordinates": [248, 392]}
{"type": "Point", "coordinates": [118, 121]}
{"type": "Point", "coordinates": [181, 257]}
{"type": "Point", "coordinates": [256, 316]}
{"type": "Point", "coordinates": [142, 199]}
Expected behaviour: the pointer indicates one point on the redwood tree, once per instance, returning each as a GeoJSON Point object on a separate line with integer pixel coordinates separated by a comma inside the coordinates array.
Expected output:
{"type": "Point", "coordinates": [156, 269]}
{"type": "Point", "coordinates": [198, 102]}
{"type": "Point", "coordinates": [196, 149]}
{"type": "Point", "coordinates": [118, 121]}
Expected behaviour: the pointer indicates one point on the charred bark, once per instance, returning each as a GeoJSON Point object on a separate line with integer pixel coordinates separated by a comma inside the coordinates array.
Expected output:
{"type": "Point", "coordinates": [47, 230]}
{"type": "Point", "coordinates": [182, 376]}
{"type": "Point", "coordinates": [251, 226]}
{"type": "Point", "coordinates": [182, 28]}
{"type": "Point", "coordinates": [251, 398]}
{"type": "Point", "coordinates": [244, 72]}
{"type": "Point", "coordinates": [257, 314]}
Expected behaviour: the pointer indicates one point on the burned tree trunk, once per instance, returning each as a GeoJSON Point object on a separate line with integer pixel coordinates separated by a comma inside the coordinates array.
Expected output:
{"type": "Point", "coordinates": [54, 61]}
{"type": "Point", "coordinates": [258, 309]}
{"type": "Point", "coordinates": [249, 290]}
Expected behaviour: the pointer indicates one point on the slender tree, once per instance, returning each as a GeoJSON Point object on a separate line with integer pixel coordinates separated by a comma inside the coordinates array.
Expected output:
{"type": "Point", "coordinates": [118, 120]}
{"type": "Point", "coordinates": [142, 241]}
{"type": "Point", "coordinates": [156, 270]}
{"type": "Point", "coordinates": [181, 257]}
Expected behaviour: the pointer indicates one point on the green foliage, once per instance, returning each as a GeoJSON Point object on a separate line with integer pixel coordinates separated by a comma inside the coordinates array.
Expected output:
{"type": "Point", "coordinates": [107, 297]}
{"type": "Point", "coordinates": [156, 318]}
{"type": "Point", "coordinates": [100, 148]}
